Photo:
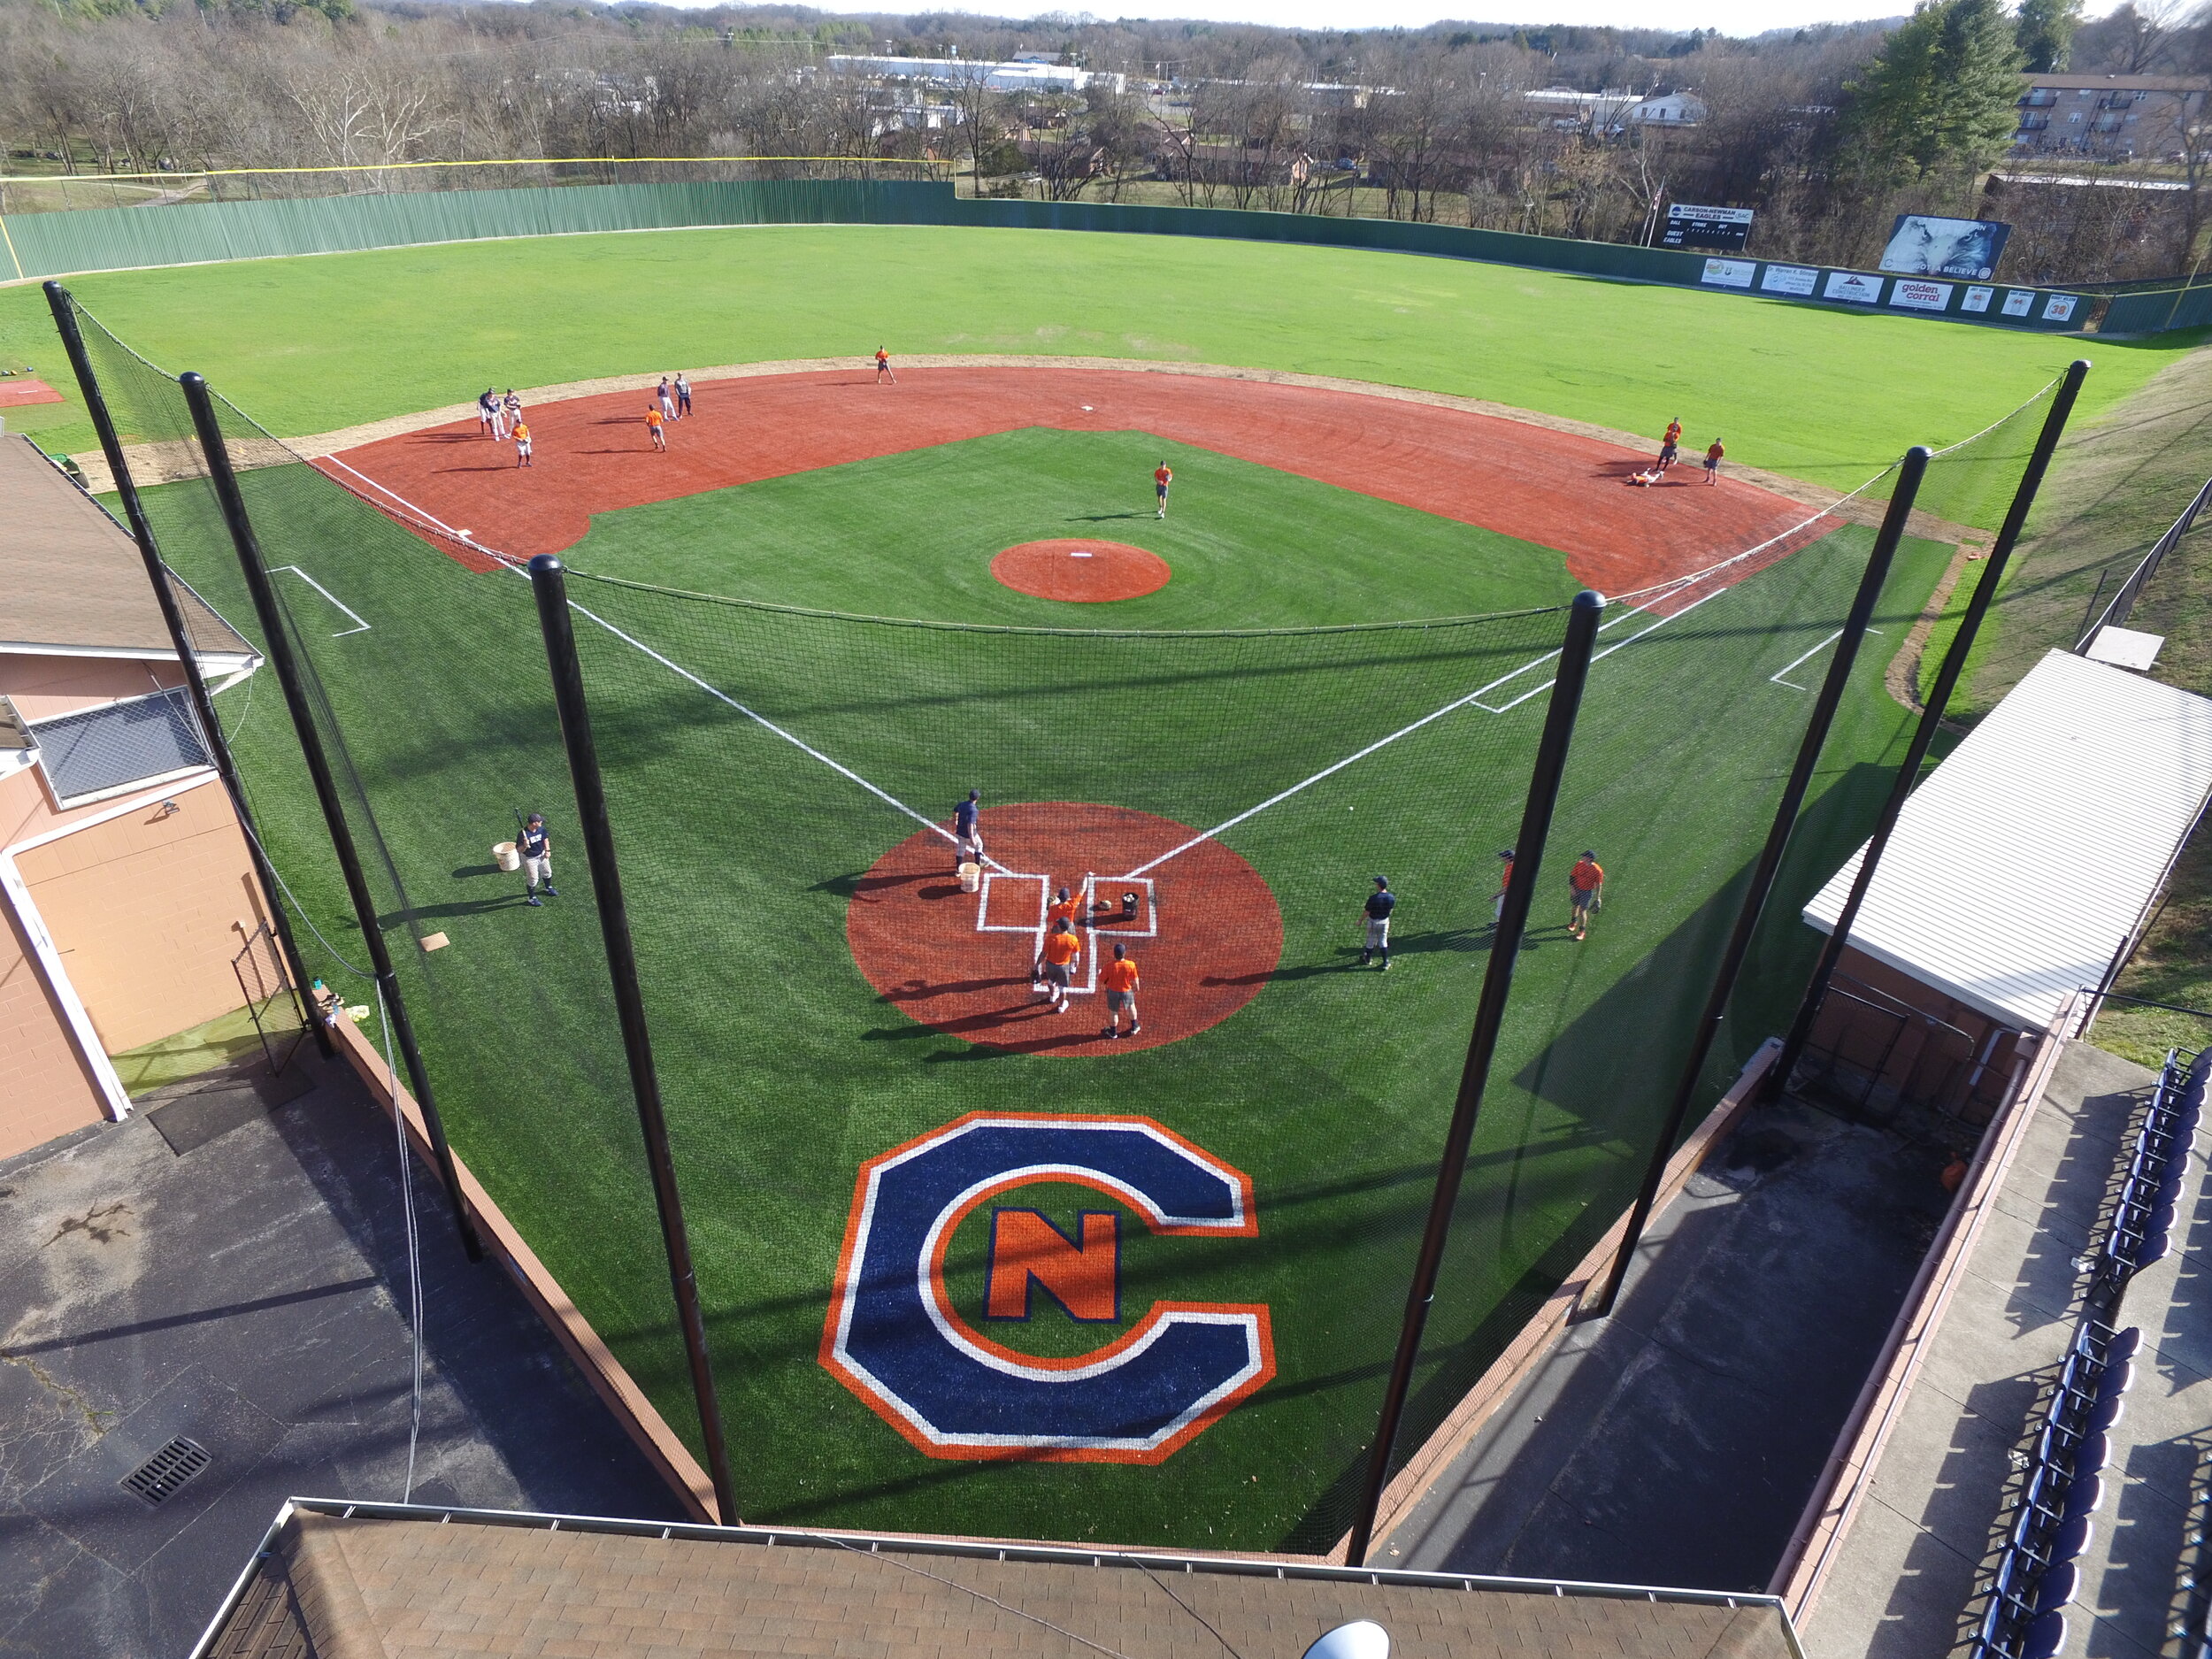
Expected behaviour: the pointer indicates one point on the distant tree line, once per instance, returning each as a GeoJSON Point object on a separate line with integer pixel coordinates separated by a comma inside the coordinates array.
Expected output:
{"type": "Point", "coordinates": [1826, 133]}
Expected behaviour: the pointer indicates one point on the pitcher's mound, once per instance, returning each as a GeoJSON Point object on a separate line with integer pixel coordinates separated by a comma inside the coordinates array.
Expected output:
{"type": "Point", "coordinates": [1083, 572]}
{"type": "Point", "coordinates": [1205, 932]}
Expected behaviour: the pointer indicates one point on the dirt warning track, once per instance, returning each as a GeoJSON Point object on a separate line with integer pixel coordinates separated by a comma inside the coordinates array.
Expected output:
{"type": "Point", "coordinates": [1560, 489]}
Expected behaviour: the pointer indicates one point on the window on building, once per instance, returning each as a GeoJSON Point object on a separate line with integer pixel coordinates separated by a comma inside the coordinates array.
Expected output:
{"type": "Point", "coordinates": [104, 751]}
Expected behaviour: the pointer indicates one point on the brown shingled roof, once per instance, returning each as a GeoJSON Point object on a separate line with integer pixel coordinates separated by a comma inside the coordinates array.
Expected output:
{"type": "Point", "coordinates": [401, 1585]}
{"type": "Point", "coordinates": [71, 580]}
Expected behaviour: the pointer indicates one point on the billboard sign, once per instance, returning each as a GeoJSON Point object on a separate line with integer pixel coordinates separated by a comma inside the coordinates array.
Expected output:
{"type": "Point", "coordinates": [1730, 273]}
{"type": "Point", "coordinates": [1920, 297]}
{"type": "Point", "coordinates": [1976, 299]}
{"type": "Point", "coordinates": [1969, 249]}
{"type": "Point", "coordinates": [1790, 279]}
{"type": "Point", "coordinates": [1850, 285]}
{"type": "Point", "coordinates": [2059, 308]}
{"type": "Point", "coordinates": [2019, 303]}
{"type": "Point", "coordinates": [1724, 227]}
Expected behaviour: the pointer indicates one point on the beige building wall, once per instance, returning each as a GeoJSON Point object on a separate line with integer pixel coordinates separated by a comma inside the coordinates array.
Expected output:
{"type": "Point", "coordinates": [44, 1087]}
{"type": "Point", "coordinates": [144, 908]}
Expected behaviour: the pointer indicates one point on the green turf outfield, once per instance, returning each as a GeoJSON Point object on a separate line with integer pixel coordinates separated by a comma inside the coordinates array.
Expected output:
{"type": "Point", "coordinates": [314, 345]}
{"type": "Point", "coordinates": [784, 1070]}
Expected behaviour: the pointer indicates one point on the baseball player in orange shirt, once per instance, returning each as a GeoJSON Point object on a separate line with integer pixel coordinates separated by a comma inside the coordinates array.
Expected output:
{"type": "Point", "coordinates": [1585, 887]}
{"type": "Point", "coordinates": [1119, 980]}
{"type": "Point", "coordinates": [1161, 477]}
{"type": "Point", "coordinates": [653, 424]}
{"type": "Point", "coordinates": [1061, 910]}
{"type": "Point", "coordinates": [1055, 964]}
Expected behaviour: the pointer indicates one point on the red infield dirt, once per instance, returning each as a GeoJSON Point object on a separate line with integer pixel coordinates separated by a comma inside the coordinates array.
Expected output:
{"type": "Point", "coordinates": [1084, 573]}
{"type": "Point", "coordinates": [20, 391]}
{"type": "Point", "coordinates": [1205, 936]}
{"type": "Point", "coordinates": [1560, 489]}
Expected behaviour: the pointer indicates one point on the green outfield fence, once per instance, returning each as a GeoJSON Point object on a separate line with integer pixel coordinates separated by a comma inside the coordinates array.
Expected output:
{"type": "Point", "coordinates": [47, 230]}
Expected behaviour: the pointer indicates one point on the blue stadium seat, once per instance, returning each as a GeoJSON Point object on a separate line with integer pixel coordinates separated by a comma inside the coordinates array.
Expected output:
{"type": "Point", "coordinates": [2047, 1636]}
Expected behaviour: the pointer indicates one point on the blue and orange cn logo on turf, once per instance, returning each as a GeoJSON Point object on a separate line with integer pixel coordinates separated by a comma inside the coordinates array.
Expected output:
{"type": "Point", "coordinates": [895, 1340]}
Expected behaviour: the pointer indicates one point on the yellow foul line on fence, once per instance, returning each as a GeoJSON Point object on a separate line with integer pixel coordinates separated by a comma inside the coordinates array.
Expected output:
{"type": "Point", "coordinates": [12, 259]}
{"type": "Point", "coordinates": [510, 161]}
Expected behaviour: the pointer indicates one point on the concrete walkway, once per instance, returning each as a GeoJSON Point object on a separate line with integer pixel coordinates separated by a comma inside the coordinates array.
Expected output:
{"type": "Point", "coordinates": [1678, 1441]}
{"type": "Point", "coordinates": [1919, 1550]}
{"type": "Point", "coordinates": [244, 1288]}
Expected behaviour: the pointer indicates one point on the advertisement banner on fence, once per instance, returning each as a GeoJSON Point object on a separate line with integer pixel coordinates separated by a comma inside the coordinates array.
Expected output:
{"type": "Point", "coordinates": [1920, 245]}
{"type": "Point", "coordinates": [1790, 279]}
{"type": "Point", "coordinates": [2019, 303]}
{"type": "Point", "coordinates": [1976, 299]}
{"type": "Point", "coordinates": [1920, 297]}
{"type": "Point", "coordinates": [1730, 273]}
{"type": "Point", "coordinates": [2059, 308]}
{"type": "Point", "coordinates": [1849, 285]}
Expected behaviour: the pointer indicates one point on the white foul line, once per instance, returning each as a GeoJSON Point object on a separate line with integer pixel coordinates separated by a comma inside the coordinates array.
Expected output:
{"type": "Point", "coordinates": [516, 565]}
{"type": "Point", "coordinates": [1473, 698]}
{"type": "Point", "coordinates": [362, 627]}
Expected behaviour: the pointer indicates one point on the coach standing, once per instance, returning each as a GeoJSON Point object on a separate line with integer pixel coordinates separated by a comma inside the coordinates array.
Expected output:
{"type": "Point", "coordinates": [967, 831]}
{"type": "Point", "coordinates": [1380, 903]}
{"type": "Point", "coordinates": [536, 848]}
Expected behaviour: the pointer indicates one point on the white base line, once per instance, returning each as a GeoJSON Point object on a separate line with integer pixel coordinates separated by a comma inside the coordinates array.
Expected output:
{"type": "Point", "coordinates": [325, 593]}
{"type": "Point", "coordinates": [1776, 678]}
{"type": "Point", "coordinates": [424, 513]}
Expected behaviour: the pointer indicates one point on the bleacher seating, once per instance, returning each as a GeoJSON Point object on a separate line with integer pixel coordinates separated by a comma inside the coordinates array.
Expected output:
{"type": "Point", "coordinates": [2053, 1515]}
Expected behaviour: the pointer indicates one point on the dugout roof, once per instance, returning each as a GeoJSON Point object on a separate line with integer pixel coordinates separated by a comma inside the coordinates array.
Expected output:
{"type": "Point", "coordinates": [2027, 860]}
{"type": "Point", "coordinates": [396, 1580]}
{"type": "Point", "coordinates": [71, 582]}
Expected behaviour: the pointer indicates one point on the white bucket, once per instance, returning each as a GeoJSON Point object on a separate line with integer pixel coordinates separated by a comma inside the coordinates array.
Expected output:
{"type": "Point", "coordinates": [506, 857]}
{"type": "Point", "coordinates": [970, 877]}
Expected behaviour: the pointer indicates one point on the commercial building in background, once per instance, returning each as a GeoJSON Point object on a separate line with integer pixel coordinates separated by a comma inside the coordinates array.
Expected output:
{"type": "Point", "coordinates": [2113, 118]}
{"type": "Point", "coordinates": [1022, 75]}
{"type": "Point", "coordinates": [127, 894]}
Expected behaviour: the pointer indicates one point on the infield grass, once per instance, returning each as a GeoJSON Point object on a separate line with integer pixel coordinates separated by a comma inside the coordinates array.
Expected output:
{"type": "Point", "coordinates": [319, 343]}
{"type": "Point", "coordinates": [784, 1071]}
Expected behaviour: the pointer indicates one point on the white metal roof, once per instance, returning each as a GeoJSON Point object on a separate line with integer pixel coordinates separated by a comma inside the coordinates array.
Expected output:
{"type": "Point", "coordinates": [2124, 647]}
{"type": "Point", "coordinates": [2026, 858]}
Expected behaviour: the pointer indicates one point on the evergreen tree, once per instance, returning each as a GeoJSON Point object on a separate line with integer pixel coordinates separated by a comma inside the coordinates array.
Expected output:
{"type": "Point", "coordinates": [2046, 32]}
{"type": "Point", "coordinates": [1942, 95]}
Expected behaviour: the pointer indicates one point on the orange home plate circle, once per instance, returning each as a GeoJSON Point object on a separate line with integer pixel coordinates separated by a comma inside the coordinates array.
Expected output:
{"type": "Point", "coordinates": [1083, 572]}
{"type": "Point", "coordinates": [1205, 937]}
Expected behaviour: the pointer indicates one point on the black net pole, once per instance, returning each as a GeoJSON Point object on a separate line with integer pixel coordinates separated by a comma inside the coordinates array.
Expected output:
{"type": "Point", "coordinates": [1946, 681]}
{"type": "Point", "coordinates": [548, 577]}
{"type": "Point", "coordinates": [65, 310]}
{"type": "Point", "coordinates": [279, 648]}
{"type": "Point", "coordinates": [1505, 947]}
{"type": "Point", "coordinates": [1769, 865]}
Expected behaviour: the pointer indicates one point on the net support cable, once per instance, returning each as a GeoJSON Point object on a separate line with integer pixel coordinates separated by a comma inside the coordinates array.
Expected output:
{"type": "Point", "coordinates": [550, 590]}
{"type": "Point", "coordinates": [200, 703]}
{"type": "Point", "coordinates": [1769, 866]}
{"type": "Point", "coordinates": [1574, 659]}
{"type": "Point", "coordinates": [225, 481]}
{"type": "Point", "coordinates": [1939, 700]}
